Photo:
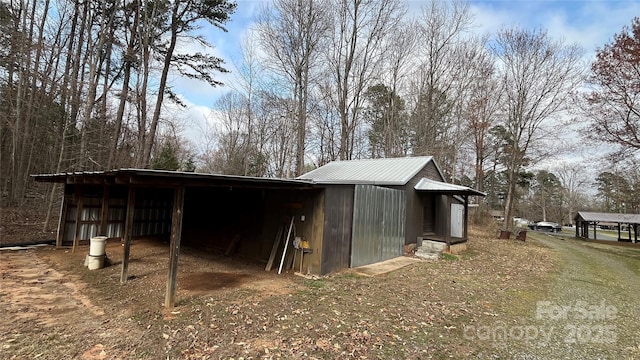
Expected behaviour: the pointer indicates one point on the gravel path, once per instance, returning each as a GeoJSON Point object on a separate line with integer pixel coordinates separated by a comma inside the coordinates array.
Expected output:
{"type": "Point", "coordinates": [592, 311]}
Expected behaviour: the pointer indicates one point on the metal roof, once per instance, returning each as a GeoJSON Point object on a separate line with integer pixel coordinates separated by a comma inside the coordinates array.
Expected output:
{"type": "Point", "coordinates": [441, 187]}
{"type": "Point", "coordinates": [388, 171]}
{"type": "Point", "coordinates": [608, 217]}
{"type": "Point", "coordinates": [186, 177]}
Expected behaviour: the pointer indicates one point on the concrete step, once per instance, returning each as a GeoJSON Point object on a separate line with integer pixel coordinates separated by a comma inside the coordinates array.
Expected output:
{"type": "Point", "coordinates": [434, 245]}
{"type": "Point", "coordinates": [427, 254]}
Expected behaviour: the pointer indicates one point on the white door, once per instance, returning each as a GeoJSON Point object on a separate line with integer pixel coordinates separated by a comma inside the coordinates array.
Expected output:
{"type": "Point", "coordinates": [457, 220]}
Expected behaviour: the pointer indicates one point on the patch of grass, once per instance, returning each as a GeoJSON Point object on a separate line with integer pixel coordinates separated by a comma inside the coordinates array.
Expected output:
{"type": "Point", "coordinates": [315, 284]}
{"type": "Point", "coordinates": [449, 257]}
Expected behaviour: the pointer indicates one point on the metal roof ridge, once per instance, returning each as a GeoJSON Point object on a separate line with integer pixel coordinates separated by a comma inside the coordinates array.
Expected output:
{"type": "Point", "coordinates": [147, 172]}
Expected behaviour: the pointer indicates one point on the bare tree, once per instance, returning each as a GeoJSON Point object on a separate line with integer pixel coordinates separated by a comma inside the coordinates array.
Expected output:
{"type": "Point", "coordinates": [226, 156]}
{"type": "Point", "coordinates": [129, 59]}
{"type": "Point", "coordinates": [442, 25]}
{"type": "Point", "coordinates": [355, 58]}
{"type": "Point", "coordinates": [480, 109]}
{"type": "Point", "coordinates": [389, 133]}
{"type": "Point", "coordinates": [573, 182]}
{"type": "Point", "coordinates": [291, 33]}
{"type": "Point", "coordinates": [538, 74]}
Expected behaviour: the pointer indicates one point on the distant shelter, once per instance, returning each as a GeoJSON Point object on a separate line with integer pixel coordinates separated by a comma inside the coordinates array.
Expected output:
{"type": "Point", "coordinates": [624, 223]}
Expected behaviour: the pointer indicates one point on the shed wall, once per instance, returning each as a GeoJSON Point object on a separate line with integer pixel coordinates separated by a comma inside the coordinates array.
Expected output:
{"type": "Point", "coordinates": [314, 260]}
{"type": "Point", "coordinates": [338, 216]}
{"type": "Point", "coordinates": [378, 224]}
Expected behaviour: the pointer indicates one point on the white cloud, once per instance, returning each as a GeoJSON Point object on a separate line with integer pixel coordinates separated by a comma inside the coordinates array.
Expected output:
{"type": "Point", "coordinates": [591, 24]}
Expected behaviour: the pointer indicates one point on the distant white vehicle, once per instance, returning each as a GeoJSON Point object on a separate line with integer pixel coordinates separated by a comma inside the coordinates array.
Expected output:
{"type": "Point", "coordinates": [546, 226]}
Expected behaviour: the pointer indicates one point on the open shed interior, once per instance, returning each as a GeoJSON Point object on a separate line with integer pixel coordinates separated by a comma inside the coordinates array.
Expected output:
{"type": "Point", "coordinates": [244, 221]}
{"type": "Point", "coordinates": [234, 221]}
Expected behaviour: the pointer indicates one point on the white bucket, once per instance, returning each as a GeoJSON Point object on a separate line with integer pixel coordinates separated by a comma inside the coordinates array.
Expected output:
{"type": "Point", "coordinates": [98, 246]}
{"type": "Point", "coordinates": [95, 262]}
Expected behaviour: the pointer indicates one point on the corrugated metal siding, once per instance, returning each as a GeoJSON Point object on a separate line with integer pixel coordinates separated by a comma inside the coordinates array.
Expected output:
{"type": "Point", "coordinates": [338, 213]}
{"type": "Point", "coordinates": [378, 224]}
{"type": "Point", "coordinates": [151, 216]}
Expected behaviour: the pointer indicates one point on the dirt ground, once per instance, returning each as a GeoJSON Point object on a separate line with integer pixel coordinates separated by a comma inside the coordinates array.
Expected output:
{"type": "Point", "coordinates": [51, 296]}
{"type": "Point", "coordinates": [229, 307]}
{"type": "Point", "coordinates": [20, 225]}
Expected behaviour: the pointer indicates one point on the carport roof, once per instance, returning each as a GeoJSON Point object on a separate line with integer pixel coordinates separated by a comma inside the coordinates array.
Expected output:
{"type": "Point", "coordinates": [387, 171]}
{"type": "Point", "coordinates": [608, 217]}
{"type": "Point", "coordinates": [445, 188]}
{"type": "Point", "coordinates": [164, 177]}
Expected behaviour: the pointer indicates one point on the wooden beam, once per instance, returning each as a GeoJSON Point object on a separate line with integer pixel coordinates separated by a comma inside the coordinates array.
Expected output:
{"type": "Point", "coordinates": [104, 213]}
{"type": "Point", "coordinates": [76, 235]}
{"type": "Point", "coordinates": [128, 231]}
{"type": "Point", "coordinates": [274, 248]}
{"type": "Point", "coordinates": [62, 222]}
{"type": "Point", "coordinates": [466, 217]}
{"type": "Point", "coordinates": [447, 232]}
{"type": "Point", "coordinates": [174, 247]}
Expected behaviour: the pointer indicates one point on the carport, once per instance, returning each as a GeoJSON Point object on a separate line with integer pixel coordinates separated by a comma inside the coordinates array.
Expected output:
{"type": "Point", "coordinates": [584, 220]}
{"type": "Point", "coordinates": [231, 214]}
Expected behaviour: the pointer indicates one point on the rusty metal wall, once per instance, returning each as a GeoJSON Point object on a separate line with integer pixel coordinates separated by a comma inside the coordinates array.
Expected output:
{"type": "Point", "coordinates": [378, 231]}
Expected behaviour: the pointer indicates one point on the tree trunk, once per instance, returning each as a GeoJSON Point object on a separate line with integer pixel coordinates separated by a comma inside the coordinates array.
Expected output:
{"type": "Point", "coordinates": [146, 156]}
{"type": "Point", "coordinates": [124, 93]}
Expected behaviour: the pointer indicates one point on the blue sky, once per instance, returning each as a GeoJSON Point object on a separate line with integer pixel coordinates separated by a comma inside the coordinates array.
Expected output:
{"type": "Point", "coordinates": [588, 23]}
{"type": "Point", "coordinates": [591, 24]}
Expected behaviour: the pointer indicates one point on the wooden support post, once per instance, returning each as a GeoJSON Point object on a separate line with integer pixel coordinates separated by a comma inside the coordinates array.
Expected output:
{"type": "Point", "coordinates": [62, 223]}
{"type": "Point", "coordinates": [104, 213]}
{"type": "Point", "coordinates": [447, 232]}
{"type": "Point", "coordinates": [174, 247]}
{"type": "Point", "coordinates": [76, 235]}
{"type": "Point", "coordinates": [128, 231]}
{"type": "Point", "coordinates": [466, 217]}
{"type": "Point", "coordinates": [595, 226]}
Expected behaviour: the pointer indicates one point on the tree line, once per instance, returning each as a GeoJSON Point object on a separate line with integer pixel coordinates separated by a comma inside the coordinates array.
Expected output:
{"type": "Point", "coordinates": [84, 86]}
{"type": "Point", "coordinates": [83, 83]}
{"type": "Point", "coordinates": [334, 80]}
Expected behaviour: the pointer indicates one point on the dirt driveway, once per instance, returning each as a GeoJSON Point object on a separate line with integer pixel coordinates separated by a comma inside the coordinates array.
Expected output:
{"type": "Point", "coordinates": [53, 307]}
{"type": "Point", "coordinates": [41, 305]}
{"type": "Point", "coordinates": [591, 310]}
